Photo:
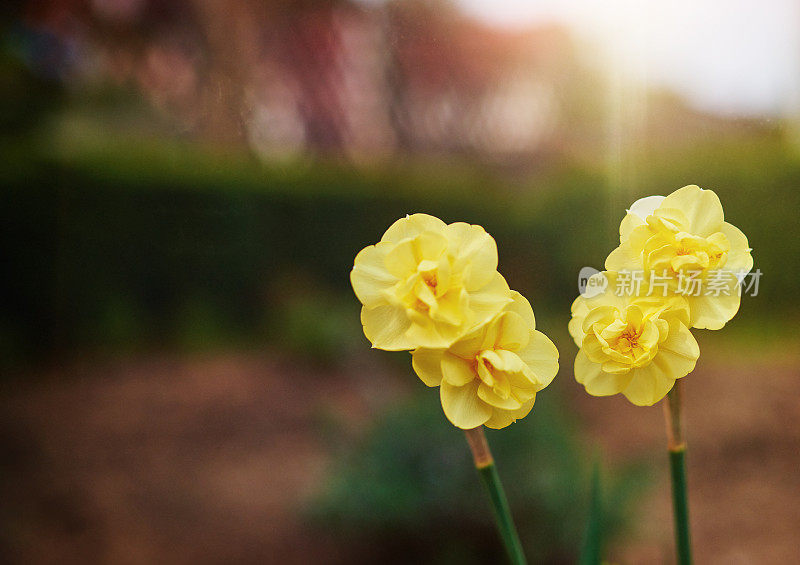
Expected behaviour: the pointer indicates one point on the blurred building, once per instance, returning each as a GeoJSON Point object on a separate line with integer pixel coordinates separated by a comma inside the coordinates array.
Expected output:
{"type": "Point", "coordinates": [330, 78]}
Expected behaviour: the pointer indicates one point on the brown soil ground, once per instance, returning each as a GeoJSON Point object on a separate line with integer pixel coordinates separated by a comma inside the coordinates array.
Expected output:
{"type": "Point", "coordinates": [207, 460]}
{"type": "Point", "coordinates": [742, 422]}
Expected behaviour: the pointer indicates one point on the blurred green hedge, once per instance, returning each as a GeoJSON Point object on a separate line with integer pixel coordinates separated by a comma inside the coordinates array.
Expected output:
{"type": "Point", "coordinates": [120, 243]}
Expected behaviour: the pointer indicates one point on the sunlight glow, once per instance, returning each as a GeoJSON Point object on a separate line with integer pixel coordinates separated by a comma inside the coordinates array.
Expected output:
{"type": "Point", "coordinates": [725, 56]}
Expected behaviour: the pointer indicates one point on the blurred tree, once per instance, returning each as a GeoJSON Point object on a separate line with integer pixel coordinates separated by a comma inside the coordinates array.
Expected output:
{"type": "Point", "coordinates": [310, 53]}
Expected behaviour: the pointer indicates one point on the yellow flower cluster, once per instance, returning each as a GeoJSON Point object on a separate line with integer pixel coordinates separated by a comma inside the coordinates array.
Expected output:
{"type": "Point", "coordinates": [433, 289]}
{"type": "Point", "coordinates": [637, 341]}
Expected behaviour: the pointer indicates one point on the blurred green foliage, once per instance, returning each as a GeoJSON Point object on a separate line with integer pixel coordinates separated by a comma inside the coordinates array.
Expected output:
{"type": "Point", "coordinates": [408, 491]}
{"type": "Point", "coordinates": [594, 538]}
{"type": "Point", "coordinates": [135, 243]}
{"type": "Point", "coordinates": [124, 242]}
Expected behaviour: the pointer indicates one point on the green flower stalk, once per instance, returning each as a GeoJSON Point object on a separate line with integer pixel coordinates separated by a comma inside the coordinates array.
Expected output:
{"type": "Point", "coordinates": [484, 463]}
{"type": "Point", "coordinates": [676, 446]}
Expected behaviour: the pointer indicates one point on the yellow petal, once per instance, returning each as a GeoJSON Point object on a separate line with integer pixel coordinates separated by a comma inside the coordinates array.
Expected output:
{"type": "Point", "coordinates": [663, 328]}
{"type": "Point", "coordinates": [702, 209]}
{"type": "Point", "coordinates": [411, 226]}
{"type": "Point", "coordinates": [451, 308]}
{"type": "Point", "coordinates": [441, 269]}
{"type": "Point", "coordinates": [720, 240]}
{"type": "Point", "coordinates": [637, 214]}
{"type": "Point", "coordinates": [613, 330]}
{"type": "Point", "coordinates": [629, 223]}
{"type": "Point", "coordinates": [651, 334]}
{"type": "Point", "coordinates": [470, 345]}
{"type": "Point", "coordinates": [462, 406]}
{"type": "Point", "coordinates": [521, 306]}
{"type": "Point", "coordinates": [579, 311]}
{"type": "Point", "coordinates": [502, 360]}
{"type": "Point", "coordinates": [678, 353]}
{"type": "Point", "coordinates": [594, 349]}
{"type": "Point", "coordinates": [541, 356]}
{"type": "Point", "coordinates": [740, 259]}
{"type": "Point", "coordinates": [490, 397]}
{"type": "Point", "coordinates": [424, 293]}
{"type": "Point", "coordinates": [386, 327]}
{"type": "Point", "coordinates": [523, 383]}
{"type": "Point", "coordinates": [689, 263]}
{"type": "Point", "coordinates": [369, 276]}
{"type": "Point", "coordinates": [475, 252]}
{"type": "Point", "coordinates": [596, 381]}
{"type": "Point", "coordinates": [430, 245]}
{"type": "Point", "coordinates": [645, 206]}
{"type": "Point", "coordinates": [599, 314]}
{"type": "Point", "coordinates": [484, 371]}
{"type": "Point", "coordinates": [490, 299]}
{"type": "Point", "coordinates": [634, 315]}
{"type": "Point", "coordinates": [624, 258]}
{"type": "Point", "coordinates": [665, 307]}
{"type": "Point", "coordinates": [659, 258]}
{"type": "Point", "coordinates": [513, 332]}
{"type": "Point", "coordinates": [424, 333]}
{"type": "Point", "coordinates": [616, 361]}
{"type": "Point", "coordinates": [648, 385]}
{"type": "Point", "coordinates": [401, 260]}
{"type": "Point", "coordinates": [713, 312]}
{"type": "Point", "coordinates": [640, 236]}
{"type": "Point", "coordinates": [427, 364]}
{"type": "Point", "coordinates": [457, 371]}
{"type": "Point", "coordinates": [669, 219]}
{"type": "Point", "coordinates": [502, 418]}
{"type": "Point", "coordinates": [616, 366]}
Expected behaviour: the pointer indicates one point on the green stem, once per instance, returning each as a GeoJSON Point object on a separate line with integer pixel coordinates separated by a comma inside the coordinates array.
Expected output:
{"type": "Point", "coordinates": [677, 464]}
{"type": "Point", "coordinates": [680, 506]}
{"type": "Point", "coordinates": [484, 463]}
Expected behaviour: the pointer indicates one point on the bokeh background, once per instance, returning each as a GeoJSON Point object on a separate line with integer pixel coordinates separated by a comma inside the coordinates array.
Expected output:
{"type": "Point", "coordinates": [185, 185]}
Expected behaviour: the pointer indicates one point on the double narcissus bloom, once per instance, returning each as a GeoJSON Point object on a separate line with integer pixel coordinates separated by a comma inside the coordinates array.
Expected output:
{"type": "Point", "coordinates": [683, 265]}
{"type": "Point", "coordinates": [491, 376]}
{"type": "Point", "coordinates": [682, 245]}
{"type": "Point", "coordinates": [637, 347]}
{"type": "Point", "coordinates": [426, 283]}
{"type": "Point", "coordinates": [434, 289]}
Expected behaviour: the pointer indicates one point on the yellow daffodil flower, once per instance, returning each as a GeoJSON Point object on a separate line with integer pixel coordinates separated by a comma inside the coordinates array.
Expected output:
{"type": "Point", "coordinates": [426, 283]}
{"type": "Point", "coordinates": [491, 376]}
{"type": "Point", "coordinates": [681, 244]}
{"type": "Point", "coordinates": [637, 346]}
